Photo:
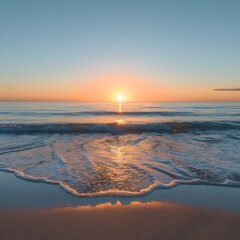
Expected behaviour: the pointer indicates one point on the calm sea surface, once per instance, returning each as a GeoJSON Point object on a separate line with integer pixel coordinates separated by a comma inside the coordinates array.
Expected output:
{"type": "Point", "coordinates": [93, 149]}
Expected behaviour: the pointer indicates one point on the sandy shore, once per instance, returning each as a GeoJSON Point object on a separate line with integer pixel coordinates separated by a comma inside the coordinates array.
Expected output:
{"type": "Point", "coordinates": [153, 220]}
{"type": "Point", "coordinates": [35, 211]}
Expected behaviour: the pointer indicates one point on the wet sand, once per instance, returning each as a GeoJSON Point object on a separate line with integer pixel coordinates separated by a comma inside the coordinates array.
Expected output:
{"type": "Point", "coordinates": [16, 193]}
{"type": "Point", "coordinates": [152, 220]}
{"type": "Point", "coordinates": [31, 210]}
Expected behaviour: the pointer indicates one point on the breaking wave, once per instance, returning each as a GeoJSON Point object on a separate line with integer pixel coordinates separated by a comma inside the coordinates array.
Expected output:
{"type": "Point", "coordinates": [118, 128]}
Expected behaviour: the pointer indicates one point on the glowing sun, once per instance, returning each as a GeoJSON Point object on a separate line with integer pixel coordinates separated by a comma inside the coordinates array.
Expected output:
{"type": "Point", "coordinates": [120, 98]}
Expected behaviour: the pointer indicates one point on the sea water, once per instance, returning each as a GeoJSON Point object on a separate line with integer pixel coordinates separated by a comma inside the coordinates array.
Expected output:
{"type": "Point", "coordinates": [93, 149]}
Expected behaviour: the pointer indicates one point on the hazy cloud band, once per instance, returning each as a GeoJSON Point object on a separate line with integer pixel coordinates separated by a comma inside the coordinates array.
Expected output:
{"type": "Point", "coordinates": [227, 89]}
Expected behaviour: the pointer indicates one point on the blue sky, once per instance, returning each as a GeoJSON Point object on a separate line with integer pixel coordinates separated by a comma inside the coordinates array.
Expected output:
{"type": "Point", "coordinates": [191, 44]}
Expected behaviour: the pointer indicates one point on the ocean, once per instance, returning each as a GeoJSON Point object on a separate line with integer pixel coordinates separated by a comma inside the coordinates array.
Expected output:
{"type": "Point", "coordinates": [108, 149]}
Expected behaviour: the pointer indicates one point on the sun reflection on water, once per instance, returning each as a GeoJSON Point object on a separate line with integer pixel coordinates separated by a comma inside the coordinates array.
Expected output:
{"type": "Point", "coordinates": [118, 154]}
{"type": "Point", "coordinates": [120, 100]}
{"type": "Point", "coordinates": [120, 122]}
{"type": "Point", "coordinates": [120, 107]}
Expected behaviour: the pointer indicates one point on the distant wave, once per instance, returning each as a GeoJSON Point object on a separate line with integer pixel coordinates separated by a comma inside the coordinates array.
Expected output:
{"type": "Point", "coordinates": [116, 113]}
{"type": "Point", "coordinates": [98, 113]}
{"type": "Point", "coordinates": [115, 128]}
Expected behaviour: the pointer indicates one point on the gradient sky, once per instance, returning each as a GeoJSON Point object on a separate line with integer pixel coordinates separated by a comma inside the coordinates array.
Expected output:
{"type": "Point", "coordinates": [93, 50]}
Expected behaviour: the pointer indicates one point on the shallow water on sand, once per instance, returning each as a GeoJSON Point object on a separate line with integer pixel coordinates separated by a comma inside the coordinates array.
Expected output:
{"type": "Point", "coordinates": [96, 149]}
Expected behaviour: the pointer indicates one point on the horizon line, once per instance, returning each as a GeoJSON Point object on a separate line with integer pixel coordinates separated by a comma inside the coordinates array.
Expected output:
{"type": "Point", "coordinates": [79, 101]}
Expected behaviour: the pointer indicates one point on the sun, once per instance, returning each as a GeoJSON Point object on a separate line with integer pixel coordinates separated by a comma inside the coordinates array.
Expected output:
{"type": "Point", "coordinates": [120, 98]}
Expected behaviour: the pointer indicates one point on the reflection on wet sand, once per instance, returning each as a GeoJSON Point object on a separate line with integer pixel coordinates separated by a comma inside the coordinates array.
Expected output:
{"type": "Point", "coordinates": [141, 221]}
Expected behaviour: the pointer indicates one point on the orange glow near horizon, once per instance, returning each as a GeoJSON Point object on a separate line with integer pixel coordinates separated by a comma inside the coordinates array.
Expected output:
{"type": "Point", "coordinates": [112, 87]}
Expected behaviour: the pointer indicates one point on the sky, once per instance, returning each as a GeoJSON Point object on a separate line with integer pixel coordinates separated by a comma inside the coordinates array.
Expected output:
{"type": "Point", "coordinates": [145, 50]}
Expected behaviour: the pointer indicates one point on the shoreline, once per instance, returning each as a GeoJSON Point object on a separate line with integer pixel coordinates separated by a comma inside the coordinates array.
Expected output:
{"type": "Point", "coordinates": [17, 193]}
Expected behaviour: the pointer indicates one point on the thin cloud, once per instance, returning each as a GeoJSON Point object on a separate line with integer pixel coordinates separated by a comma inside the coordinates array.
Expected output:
{"type": "Point", "coordinates": [227, 89]}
